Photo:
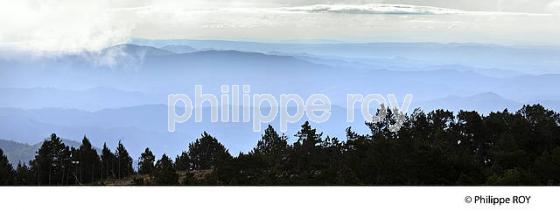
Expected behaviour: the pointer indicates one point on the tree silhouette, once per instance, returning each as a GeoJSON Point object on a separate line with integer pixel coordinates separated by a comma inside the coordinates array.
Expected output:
{"type": "Point", "coordinates": [23, 175]}
{"type": "Point", "coordinates": [182, 162]}
{"type": "Point", "coordinates": [124, 162]}
{"type": "Point", "coordinates": [109, 162]}
{"type": "Point", "coordinates": [87, 162]}
{"type": "Point", "coordinates": [165, 173]}
{"type": "Point", "coordinates": [434, 148]}
{"type": "Point", "coordinates": [272, 147]}
{"type": "Point", "coordinates": [7, 173]}
{"type": "Point", "coordinates": [206, 152]}
{"type": "Point", "coordinates": [52, 163]}
{"type": "Point", "coordinates": [146, 162]}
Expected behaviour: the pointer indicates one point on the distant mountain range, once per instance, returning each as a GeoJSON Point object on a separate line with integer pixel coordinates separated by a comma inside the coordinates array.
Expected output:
{"type": "Point", "coordinates": [141, 126]}
{"type": "Point", "coordinates": [155, 72]}
{"type": "Point", "coordinates": [22, 153]}
{"type": "Point", "coordinates": [179, 48]}
{"type": "Point", "coordinates": [527, 59]}
{"type": "Point", "coordinates": [136, 50]}
{"type": "Point", "coordinates": [119, 93]}
{"type": "Point", "coordinates": [88, 99]}
{"type": "Point", "coordinates": [484, 102]}
{"type": "Point", "coordinates": [146, 126]}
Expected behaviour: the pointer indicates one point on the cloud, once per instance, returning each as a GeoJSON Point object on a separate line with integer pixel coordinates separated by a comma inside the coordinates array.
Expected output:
{"type": "Point", "coordinates": [554, 6]}
{"type": "Point", "coordinates": [394, 9]}
{"type": "Point", "coordinates": [391, 9]}
{"type": "Point", "coordinates": [63, 26]}
{"type": "Point", "coordinates": [77, 25]}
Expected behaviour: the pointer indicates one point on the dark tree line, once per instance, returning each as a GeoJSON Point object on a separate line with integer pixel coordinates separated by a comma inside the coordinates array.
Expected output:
{"type": "Point", "coordinates": [57, 164]}
{"type": "Point", "coordinates": [435, 148]}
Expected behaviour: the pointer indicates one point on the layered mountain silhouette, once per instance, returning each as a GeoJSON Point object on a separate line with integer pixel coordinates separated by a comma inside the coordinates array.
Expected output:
{"type": "Point", "coordinates": [22, 153]}
{"type": "Point", "coordinates": [119, 93]}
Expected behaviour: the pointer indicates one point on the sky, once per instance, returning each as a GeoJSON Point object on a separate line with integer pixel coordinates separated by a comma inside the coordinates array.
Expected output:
{"type": "Point", "coordinates": [75, 25]}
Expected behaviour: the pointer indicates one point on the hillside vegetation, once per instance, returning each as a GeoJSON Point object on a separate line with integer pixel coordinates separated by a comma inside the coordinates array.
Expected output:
{"type": "Point", "coordinates": [435, 148]}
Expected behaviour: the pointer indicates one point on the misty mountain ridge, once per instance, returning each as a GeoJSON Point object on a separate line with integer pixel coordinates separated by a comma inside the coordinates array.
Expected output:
{"type": "Point", "coordinates": [22, 153]}
{"type": "Point", "coordinates": [483, 102]}
{"type": "Point", "coordinates": [119, 93]}
{"type": "Point", "coordinates": [179, 48]}
{"type": "Point", "coordinates": [518, 58]}
{"type": "Point", "coordinates": [162, 72]}
{"type": "Point", "coordinates": [146, 126]}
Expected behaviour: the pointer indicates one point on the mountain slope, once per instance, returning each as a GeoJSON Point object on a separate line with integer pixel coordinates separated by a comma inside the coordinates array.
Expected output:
{"type": "Point", "coordinates": [528, 59]}
{"type": "Point", "coordinates": [483, 102]}
{"type": "Point", "coordinates": [20, 152]}
{"type": "Point", "coordinates": [136, 50]}
{"type": "Point", "coordinates": [87, 99]}
{"type": "Point", "coordinates": [179, 48]}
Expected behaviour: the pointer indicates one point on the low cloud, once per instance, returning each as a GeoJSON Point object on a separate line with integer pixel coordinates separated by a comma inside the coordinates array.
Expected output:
{"type": "Point", "coordinates": [554, 6]}
{"type": "Point", "coordinates": [390, 9]}
{"type": "Point", "coordinates": [398, 9]}
{"type": "Point", "coordinates": [81, 25]}
{"type": "Point", "coordinates": [62, 26]}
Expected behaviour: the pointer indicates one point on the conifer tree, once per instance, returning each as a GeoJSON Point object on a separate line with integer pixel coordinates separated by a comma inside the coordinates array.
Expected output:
{"type": "Point", "coordinates": [206, 152]}
{"type": "Point", "coordinates": [272, 149]}
{"type": "Point", "coordinates": [23, 175]}
{"type": "Point", "coordinates": [88, 162]}
{"type": "Point", "coordinates": [271, 144]}
{"type": "Point", "coordinates": [109, 161]}
{"type": "Point", "coordinates": [165, 173]}
{"type": "Point", "coordinates": [52, 163]}
{"type": "Point", "coordinates": [7, 173]}
{"type": "Point", "coordinates": [308, 138]}
{"type": "Point", "coordinates": [146, 162]}
{"type": "Point", "coordinates": [182, 162]}
{"type": "Point", "coordinates": [124, 162]}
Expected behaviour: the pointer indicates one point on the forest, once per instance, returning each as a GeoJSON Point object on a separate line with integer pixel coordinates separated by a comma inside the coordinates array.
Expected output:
{"type": "Point", "coordinates": [437, 148]}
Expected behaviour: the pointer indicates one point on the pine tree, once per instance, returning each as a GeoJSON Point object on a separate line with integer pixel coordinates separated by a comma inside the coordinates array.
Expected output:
{"type": "Point", "coordinates": [165, 173]}
{"type": "Point", "coordinates": [52, 163]}
{"type": "Point", "coordinates": [206, 152]}
{"type": "Point", "coordinates": [308, 138]}
{"type": "Point", "coordinates": [24, 176]}
{"type": "Point", "coordinates": [182, 162]}
{"type": "Point", "coordinates": [109, 161]}
{"type": "Point", "coordinates": [124, 162]}
{"type": "Point", "coordinates": [7, 173]}
{"type": "Point", "coordinates": [146, 162]}
{"type": "Point", "coordinates": [271, 148]}
{"type": "Point", "coordinates": [271, 143]}
{"type": "Point", "coordinates": [88, 162]}
{"type": "Point", "coordinates": [304, 155]}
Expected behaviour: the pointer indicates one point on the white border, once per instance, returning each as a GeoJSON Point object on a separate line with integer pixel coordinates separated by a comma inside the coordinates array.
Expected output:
{"type": "Point", "coordinates": [270, 198]}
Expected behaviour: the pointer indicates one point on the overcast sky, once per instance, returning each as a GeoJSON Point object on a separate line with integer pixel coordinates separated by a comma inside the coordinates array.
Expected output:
{"type": "Point", "coordinates": [71, 25]}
